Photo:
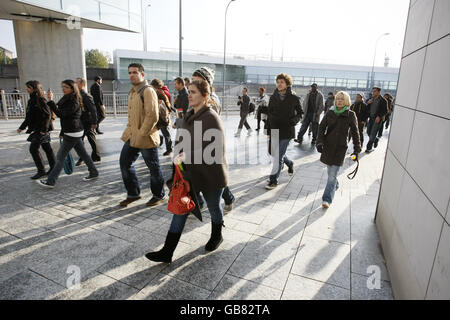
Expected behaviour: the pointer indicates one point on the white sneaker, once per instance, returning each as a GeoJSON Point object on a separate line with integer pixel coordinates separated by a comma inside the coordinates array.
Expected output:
{"type": "Point", "coordinates": [249, 133]}
{"type": "Point", "coordinates": [325, 204]}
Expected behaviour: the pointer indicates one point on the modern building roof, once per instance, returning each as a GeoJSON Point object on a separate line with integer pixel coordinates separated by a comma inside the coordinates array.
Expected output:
{"type": "Point", "coordinates": [105, 14]}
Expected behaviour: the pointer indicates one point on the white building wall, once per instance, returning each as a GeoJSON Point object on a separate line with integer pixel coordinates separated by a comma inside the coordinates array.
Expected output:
{"type": "Point", "coordinates": [412, 215]}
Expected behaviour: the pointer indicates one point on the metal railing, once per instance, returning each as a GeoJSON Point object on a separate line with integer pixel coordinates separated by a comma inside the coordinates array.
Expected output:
{"type": "Point", "coordinates": [14, 105]}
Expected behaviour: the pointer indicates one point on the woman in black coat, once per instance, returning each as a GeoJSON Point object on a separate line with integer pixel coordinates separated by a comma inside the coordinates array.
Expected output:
{"type": "Point", "coordinates": [69, 109]}
{"type": "Point", "coordinates": [207, 167]}
{"type": "Point", "coordinates": [38, 121]}
{"type": "Point", "coordinates": [332, 141]}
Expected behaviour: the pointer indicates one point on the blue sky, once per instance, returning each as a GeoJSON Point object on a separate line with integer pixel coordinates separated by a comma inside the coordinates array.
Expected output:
{"type": "Point", "coordinates": [332, 31]}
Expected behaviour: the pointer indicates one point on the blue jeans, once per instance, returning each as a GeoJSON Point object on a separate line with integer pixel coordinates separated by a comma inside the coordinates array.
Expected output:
{"type": "Point", "coordinates": [282, 158]}
{"type": "Point", "coordinates": [227, 196]}
{"type": "Point", "coordinates": [212, 198]}
{"type": "Point", "coordinates": [128, 156]}
{"type": "Point", "coordinates": [67, 144]}
{"type": "Point", "coordinates": [332, 183]}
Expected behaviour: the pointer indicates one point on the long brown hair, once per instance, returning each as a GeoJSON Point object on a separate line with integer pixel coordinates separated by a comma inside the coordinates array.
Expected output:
{"type": "Point", "coordinates": [76, 91]}
{"type": "Point", "coordinates": [205, 89]}
{"type": "Point", "coordinates": [37, 89]}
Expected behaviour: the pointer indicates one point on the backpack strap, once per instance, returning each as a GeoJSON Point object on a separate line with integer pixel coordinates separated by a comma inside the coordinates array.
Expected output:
{"type": "Point", "coordinates": [141, 91]}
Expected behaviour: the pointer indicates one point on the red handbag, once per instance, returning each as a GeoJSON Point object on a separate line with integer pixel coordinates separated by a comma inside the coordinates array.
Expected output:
{"type": "Point", "coordinates": [180, 202]}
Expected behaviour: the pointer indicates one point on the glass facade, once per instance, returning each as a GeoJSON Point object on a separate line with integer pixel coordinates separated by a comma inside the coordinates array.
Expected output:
{"type": "Point", "coordinates": [168, 70]}
{"type": "Point", "coordinates": [357, 79]}
{"type": "Point", "coordinates": [323, 77]}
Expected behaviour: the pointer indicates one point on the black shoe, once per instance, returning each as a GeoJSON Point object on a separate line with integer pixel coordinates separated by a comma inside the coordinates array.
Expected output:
{"type": "Point", "coordinates": [216, 237]}
{"type": "Point", "coordinates": [94, 159]}
{"type": "Point", "coordinates": [369, 150]}
{"type": "Point", "coordinates": [375, 144]}
{"type": "Point", "coordinates": [168, 152]}
{"type": "Point", "coordinates": [79, 162]}
{"type": "Point", "coordinates": [291, 170]}
{"type": "Point", "coordinates": [90, 177]}
{"type": "Point", "coordinates": [45, 184]}
{"type": "Point", "coordinates": [98, 131]}
{"type": "Point", "coordinates": [299, 141]}
{"type": "Point", "coordinates": [127, 201]}
{"type": "Point", "coordinates": [313, 142]}
{"type": "Point", "coordinates": [257, 129]}
{"type": "Point", "coordinates": [39, 175]}
{"type": "Point", "coordinates": [271, 185]}
{"type": "Point", "coordinates": [155, 201]}
{"type": "Point", "coordinates": [166, 253]}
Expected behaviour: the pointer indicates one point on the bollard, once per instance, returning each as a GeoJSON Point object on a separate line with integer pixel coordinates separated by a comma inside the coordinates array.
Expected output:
{"type": "Point", "coordinates": [5, 109]}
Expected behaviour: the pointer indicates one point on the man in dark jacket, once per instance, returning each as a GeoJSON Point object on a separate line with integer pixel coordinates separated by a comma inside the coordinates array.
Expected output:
{"type": "Point", "coordinates": [283, 115]}
{"type": "Point", "coordinates": [312, 108]}
{"type": "Point", "coordinates": [89, 120]}
{"type": "Point", "coordinates": [377, 106]}
{"type": "Point", "coordinates": [244, 102]}
{"type": "Point", "coordinates": [329, 103]}
{"type": "Point", "coordinates": [362, 113]}
{"type": "Point", "coordinates": [97, 94]}
{"type": "Point", "coordinates": [181, 102]}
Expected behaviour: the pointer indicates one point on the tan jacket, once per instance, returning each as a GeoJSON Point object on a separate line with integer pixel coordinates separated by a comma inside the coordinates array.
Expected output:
{"type": "Point", "coordinates": [142, 118]}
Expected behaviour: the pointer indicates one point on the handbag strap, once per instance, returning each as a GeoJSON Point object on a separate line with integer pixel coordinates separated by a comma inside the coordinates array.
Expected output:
{"type": "Point", "coordinates": [354, 172]}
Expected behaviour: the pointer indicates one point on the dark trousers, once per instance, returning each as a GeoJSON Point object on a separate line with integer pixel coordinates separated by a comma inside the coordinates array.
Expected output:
{"type": "Point", "coordinates": [212, 198]}
{"type": "Point", "coordinates": [100, 114]}
{"type": "Point", "coordinates": [309, 118]}
{"type": "Point", "coordinates": [100, 117]}
{"type": "Point", "coordinates": [43, 141]}
{"type": "Point", "coordinates": [67, 144]}
{"type": "Point", "coordinates": [372, 131]}
{"type": "Point", "coordinates": [89, 133]}
{"type": "Point", "coordinates": [128, 156]}
{"type": "Point", "coordinates": [243, 122]}
{"type": "Point", "coordinates": [167, 138]}
{"type": "Point", "coordinates": [380, 130]}
{"type": "Point", "coordinates": [388, 120]}
{"type": "Point", "coordinates": [227, 196]}
{"type": "Point", "coordinates": [258, 119]}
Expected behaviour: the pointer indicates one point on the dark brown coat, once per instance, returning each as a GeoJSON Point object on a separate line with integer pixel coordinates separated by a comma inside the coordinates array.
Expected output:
{"type": "Point", "coordinates": [204, 176]}
{"type": "Point", "coordinates": [333, 135]}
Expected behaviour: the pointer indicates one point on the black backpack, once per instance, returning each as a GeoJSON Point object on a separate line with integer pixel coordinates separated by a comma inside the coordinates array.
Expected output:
{"type": "Point", "coordinates": [164, 114]}
{"type": "Point", "coordinates": [251, 107]}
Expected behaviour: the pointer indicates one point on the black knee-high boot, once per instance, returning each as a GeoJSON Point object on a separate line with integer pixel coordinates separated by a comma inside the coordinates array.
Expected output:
{"type": "Point", "coordinates": [216, 237]}
{"type": "Point", "coordinates": [165, 254]}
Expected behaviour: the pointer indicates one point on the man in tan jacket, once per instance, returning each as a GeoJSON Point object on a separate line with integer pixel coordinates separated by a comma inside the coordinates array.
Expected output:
{"type": "Point", "coordinates": [141, 136]}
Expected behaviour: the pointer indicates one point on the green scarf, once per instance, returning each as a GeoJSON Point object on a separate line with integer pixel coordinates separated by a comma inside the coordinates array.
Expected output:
{"type": "Point", "coordinates": [338, 112]}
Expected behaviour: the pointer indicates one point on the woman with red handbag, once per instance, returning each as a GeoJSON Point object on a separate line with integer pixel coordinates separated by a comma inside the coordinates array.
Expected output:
{"type": "Point", "coordinates": [204, 159]}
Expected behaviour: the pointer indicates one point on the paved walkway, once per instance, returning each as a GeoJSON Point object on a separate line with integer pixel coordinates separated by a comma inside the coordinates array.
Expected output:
{"type": "Point", "coordinates": [278, 244]}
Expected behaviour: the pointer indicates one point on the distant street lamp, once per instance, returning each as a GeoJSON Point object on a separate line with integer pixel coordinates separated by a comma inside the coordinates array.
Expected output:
{"type": "Point", "coordinates": [224, 59]}
{"type": "Point", "coordinates": [282, 47]}
{"type": "Point", "coordinates": [271, 51]}
{"type": "Point", "coordinates": [372, 82]}
{"type": "Point", "coordinates": [144, 31]}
